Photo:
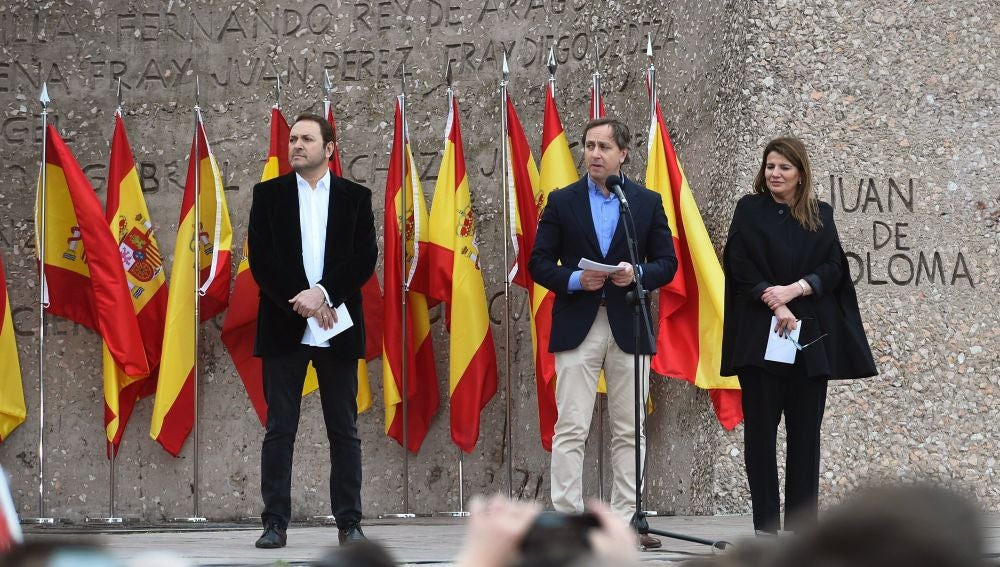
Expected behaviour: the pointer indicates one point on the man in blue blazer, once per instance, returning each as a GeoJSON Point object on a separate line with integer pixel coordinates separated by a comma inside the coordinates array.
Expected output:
{"type": "Point", "coordinates": [311, 248]}
{"type": "Point", "coordinates": [591, 319]}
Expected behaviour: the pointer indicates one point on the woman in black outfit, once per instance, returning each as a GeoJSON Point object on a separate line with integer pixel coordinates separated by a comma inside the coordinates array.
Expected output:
{"type": "Point", "coordinates": [783, 258]}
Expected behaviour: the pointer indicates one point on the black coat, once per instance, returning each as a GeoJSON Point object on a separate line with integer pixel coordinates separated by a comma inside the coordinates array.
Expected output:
{"type": "Point", "coordinates": [566, 234]}
{"type": "Point", "coordinates": [275, 256]}
{"type": "Point", "coordinates": [767, 246]}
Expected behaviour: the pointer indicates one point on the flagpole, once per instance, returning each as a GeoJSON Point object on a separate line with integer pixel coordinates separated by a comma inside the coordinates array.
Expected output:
{"type": "Point", "coordinates": [461, 476]}
{"type": "Point", "coordinates": [595, 110]}
{"type": "Point", "coordinates": [651, 78]}
{"type": "Point", "coordinates": [111, 518]}
{"type": "Point", "coordinates": [196, 490]}
{"type": "Point", "coordinates": [403, 289]}
{"type": "Point", "coordinates": [42, 304]}
{"type": "Point", "coordinates": [505, 157]}
{"type": "Point", "coordinates": [327, 88]}
{"type": "Point", "coordinates": [327, 106]}
{"type": "Point", "coordinates": [595, 80]}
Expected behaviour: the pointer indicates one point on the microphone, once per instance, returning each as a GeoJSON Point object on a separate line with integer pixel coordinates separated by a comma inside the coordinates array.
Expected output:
{"type": "Point", "coordinates": [614, 183]}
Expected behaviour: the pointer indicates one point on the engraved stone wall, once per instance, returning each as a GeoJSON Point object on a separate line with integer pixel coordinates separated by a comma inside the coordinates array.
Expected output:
{"type": "Point", "coordinates": [237, 51]}
{"type": "Point", "coordinates": [895, 99]}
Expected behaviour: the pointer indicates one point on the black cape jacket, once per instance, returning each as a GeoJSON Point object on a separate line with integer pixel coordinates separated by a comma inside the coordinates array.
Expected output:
{"type": "Point", "coordinates": [767, 246]}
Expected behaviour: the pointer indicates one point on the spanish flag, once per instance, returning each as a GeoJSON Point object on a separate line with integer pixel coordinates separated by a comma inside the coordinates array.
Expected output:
{"type": "Point", "coordinates": [557, 171]}
{"type": "Point", "coordinates": [173, 410]}
{"type": "Point", "coordinates": [689, 342]}
{"type": "Point", "coordinates": [12, 408]}
{"type": "Point", "coordinates": [422, 385]}
{"type": "Point", "coordinates": [132, 227]}
{"type": "Point", "coordinates": [240, 327]}
{"type": "Point", "coordinates": [371, 301]}
{"type": "Point", "coordinates": [84, 278]}
{"type": "Point", "coordinates": [455, 278]}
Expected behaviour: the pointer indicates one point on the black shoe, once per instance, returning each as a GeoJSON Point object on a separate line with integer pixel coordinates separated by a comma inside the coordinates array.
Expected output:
{"type": "Point", "coordinates": [351, 534]}
{"type": "Point", "coordinates": [272, 538]}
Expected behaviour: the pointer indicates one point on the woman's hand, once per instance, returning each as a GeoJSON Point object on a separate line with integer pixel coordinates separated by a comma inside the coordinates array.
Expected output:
{"type": "Point", "coordinates": [777, 295]}
{"type": "Point", "coordinates": [786, 320]}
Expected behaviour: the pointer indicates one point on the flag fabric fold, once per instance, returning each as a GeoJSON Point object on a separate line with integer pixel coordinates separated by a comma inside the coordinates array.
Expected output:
{"type": "Point", "coordinates": [240, 327]}
{"type": "Point", "coordinates": [456, 279]}
{"type": "Point", "coordinates": [84, 278]}
{"type": "Point", "coordinates": [12, 408]}
{"type": "Point", "coordinates": [173, 409]}
{"type": "Point", "coordinates": [422, 386]}
{"type": "Point", "coordinates": [371, 298]}
{"type": "Point", "coordinates": [130, 223]}
{"type": "Point", "coordinates": [689, 340]}
{"type": "Point", "coordinates": [557, 171]}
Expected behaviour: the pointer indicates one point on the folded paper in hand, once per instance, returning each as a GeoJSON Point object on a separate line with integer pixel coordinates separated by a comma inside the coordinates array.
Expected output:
{"type": "Point", "coordinates": [343, 323]}
{"type": "Point", "coordinates": [586, 264]}
{"type": "Point", "coordinates": [780, 346]}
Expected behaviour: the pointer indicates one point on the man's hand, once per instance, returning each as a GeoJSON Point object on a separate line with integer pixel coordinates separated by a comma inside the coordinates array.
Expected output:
{"type": "Point", "coordinates": [308, 302]}
{"type": "Point", "coordinates": [592, 280]}
{"type": "Point", "coordinates": [624, 276]}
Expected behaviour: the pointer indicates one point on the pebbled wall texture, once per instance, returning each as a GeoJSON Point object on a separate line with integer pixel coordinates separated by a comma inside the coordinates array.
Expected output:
{"type": "Point", "coordinates": [896, 100]}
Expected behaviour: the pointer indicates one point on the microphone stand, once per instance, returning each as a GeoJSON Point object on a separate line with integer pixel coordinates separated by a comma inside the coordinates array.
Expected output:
{"type": "Point", "coordinates": [638, 298]}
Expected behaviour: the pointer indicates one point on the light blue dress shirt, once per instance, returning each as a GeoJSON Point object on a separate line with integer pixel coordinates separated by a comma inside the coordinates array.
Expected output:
{"type": "Point", "coordinates": [605, 212]}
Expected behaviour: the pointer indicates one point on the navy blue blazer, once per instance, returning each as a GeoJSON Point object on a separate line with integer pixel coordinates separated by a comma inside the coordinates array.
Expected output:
{"type": "Point", "coordinates": [275, 256]}
{"type": "Point", "coordinates": [566, 234]}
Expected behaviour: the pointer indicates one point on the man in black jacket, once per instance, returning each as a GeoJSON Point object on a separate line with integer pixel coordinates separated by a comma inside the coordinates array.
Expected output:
{"type": "Point", "coordinates": [591, 320]}
{"type": "Point", "coordinates": [311, 248]}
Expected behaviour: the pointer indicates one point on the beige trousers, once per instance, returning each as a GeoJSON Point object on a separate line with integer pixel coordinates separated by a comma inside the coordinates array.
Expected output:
{"type": "Point", "coordinates": [577, 373]}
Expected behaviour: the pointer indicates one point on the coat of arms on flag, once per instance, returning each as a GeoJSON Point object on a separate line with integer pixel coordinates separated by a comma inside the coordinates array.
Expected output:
{"type": "Point", "coordinates": [139, 254]}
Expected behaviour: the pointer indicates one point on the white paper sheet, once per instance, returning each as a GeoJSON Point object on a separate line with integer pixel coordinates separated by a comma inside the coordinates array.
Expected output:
{"type": "Point", "coordinates": [343, 323]}
{"type": "Point", "coordinates": [586, 264]}
{"type": "Point", "coordinates": [779, 348]}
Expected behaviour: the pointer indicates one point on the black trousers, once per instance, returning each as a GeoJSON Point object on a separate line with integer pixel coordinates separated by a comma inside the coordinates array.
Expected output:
{"type": "Point", "coordinates": [284, 376]}
{"type": "Point", "coordinates": [802, 400]}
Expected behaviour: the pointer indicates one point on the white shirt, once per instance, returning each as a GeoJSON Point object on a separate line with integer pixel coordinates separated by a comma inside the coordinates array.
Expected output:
{"type": "Point", "coordinates": [313, 207]}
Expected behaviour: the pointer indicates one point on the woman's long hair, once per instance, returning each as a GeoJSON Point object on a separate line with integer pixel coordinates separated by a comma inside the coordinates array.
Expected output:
{"type": "Point", "coordinates": [804, 205]}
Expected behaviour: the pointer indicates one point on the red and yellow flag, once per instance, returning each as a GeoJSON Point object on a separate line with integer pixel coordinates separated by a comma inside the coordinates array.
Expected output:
{"type": "Point", "coordinates": [371, 300]}
{"type": "Point", "coordinates": [173, 410]}
{"type": "Point", "coordinates": [422, 386]}
{"type": "Point", "coordinates": [689, 341]}
{"type": "Point", "coordinates": [239, 330]}
{"type": "Point", "coordinates": [132, 227]}
{"type": "Point", "coordinates": [456, 279]}
{"type": "Point", "coordinates": [12, 408]}
{"type": "Point", "coordinates": [84, 278]}
{"type": "Point", "coordinates": [10, 526]}
{"type": "Point", "coordinates": [557, 171]}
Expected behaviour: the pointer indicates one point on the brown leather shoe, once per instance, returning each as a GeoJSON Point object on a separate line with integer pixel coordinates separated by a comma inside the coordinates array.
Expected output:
{"type": "Point", "coordinates": [649, 542]}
